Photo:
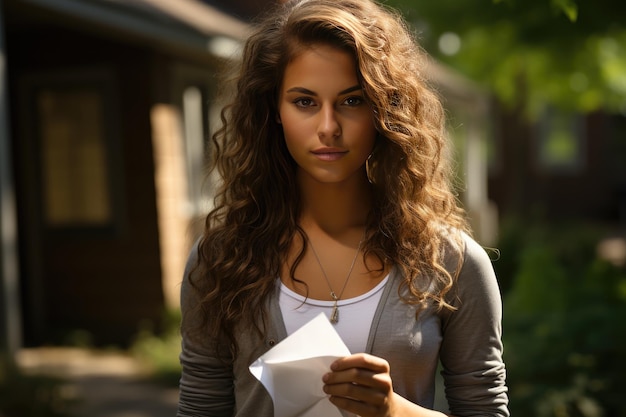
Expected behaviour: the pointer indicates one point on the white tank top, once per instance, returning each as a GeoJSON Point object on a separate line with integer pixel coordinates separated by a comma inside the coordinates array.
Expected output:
{"type": "Point", "coordinates": [355, 314]}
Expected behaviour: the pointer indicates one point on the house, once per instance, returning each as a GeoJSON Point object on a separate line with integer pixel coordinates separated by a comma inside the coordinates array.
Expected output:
{"type": "Point", "coordinates": [106, 107]}
{"type": "Point", "coordinates": [564, 166]}
{"type": "Point", "coordinates": [100, 153]}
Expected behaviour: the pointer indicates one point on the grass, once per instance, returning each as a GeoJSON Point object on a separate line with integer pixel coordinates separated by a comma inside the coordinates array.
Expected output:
{"type": "Point", "coordinates": [158, 351]}
{"type": "Point", "coordinates": [23, 395]}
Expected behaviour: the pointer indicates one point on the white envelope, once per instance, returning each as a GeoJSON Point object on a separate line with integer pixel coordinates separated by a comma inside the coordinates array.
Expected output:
{"type": "Point", "coordinates": [292, 370]}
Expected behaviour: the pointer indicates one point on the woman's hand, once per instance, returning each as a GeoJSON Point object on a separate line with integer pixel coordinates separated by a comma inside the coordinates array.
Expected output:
{"type": "Point", "coordinates": [361, 384]}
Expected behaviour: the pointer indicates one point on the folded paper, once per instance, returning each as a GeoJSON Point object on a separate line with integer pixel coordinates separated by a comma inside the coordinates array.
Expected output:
{"type": "Point", "coordinates": [292, 370]}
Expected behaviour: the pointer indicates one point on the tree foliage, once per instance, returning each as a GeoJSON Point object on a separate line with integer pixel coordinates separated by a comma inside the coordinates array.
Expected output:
{"type": "Point", "coordinates": [564, 327]}
{"type": "Point", "coordinates": [530, 53]}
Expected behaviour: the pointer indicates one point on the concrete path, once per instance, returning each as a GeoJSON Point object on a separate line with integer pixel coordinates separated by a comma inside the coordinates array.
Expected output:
{"type": "Point", "coordinates": [104, 384]}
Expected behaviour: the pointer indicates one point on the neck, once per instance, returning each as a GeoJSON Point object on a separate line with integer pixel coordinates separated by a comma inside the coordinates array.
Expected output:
{"type": "Point", "coordinates": [336, 207]}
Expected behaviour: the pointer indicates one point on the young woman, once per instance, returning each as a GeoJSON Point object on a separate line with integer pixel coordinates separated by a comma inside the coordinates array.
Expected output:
{"type": "Point", "coordinates": [337, 198]}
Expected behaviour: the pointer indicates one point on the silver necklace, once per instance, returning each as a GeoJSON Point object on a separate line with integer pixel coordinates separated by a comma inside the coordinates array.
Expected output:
{"type": "Point", "coordinates": [334, 315]}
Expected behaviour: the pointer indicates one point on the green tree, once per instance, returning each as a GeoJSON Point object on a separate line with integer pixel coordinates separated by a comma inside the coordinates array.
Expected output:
{"type": "Point", "coordinates": [564, 327]}
{"type": "Point", "coordinates": [530, 53]}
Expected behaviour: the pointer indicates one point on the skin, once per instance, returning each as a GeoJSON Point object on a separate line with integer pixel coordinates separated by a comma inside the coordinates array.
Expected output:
{"type": "Point", "coordinates": [328, 125]}
{"type": "Point", "coordinates": [329, 132]}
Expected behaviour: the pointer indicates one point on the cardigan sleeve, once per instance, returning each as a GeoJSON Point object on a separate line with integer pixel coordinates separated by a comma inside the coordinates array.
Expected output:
{"type": "Point", "coordinates": [471, 351]}
{"type": "Point", "coordinates": [206, 383]}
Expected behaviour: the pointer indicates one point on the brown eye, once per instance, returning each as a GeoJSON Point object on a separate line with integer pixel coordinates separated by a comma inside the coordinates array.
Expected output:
{"type": "Point", "coordinates": [353, 101]}
{"type": "Point", "coordinates": [303, 102]}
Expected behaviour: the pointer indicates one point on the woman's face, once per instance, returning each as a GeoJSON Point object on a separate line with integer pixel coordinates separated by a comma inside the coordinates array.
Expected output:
{"type": "Point", "coordinates": [328, 126]}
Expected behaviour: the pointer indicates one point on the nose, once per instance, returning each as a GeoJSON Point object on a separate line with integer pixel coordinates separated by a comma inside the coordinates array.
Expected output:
{"type": "Point", "coordinates": [329, 127]}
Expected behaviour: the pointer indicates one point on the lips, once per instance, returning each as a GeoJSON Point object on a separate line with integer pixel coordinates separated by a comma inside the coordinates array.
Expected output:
{"type": "Point", "coordinates": [329, 154]}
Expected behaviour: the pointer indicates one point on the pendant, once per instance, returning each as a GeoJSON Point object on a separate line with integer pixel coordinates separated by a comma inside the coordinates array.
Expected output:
{"type": "Point", "coordinates": [334, 316]}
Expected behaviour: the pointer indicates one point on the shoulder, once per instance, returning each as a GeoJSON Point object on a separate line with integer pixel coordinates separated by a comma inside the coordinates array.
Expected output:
{"type": "Point", "coordinates": [462, 252]}
{"type": "Point", "coordinates": [475, 256]}
{"type": "Point", "coordinates": [189, 291]}
{"type": "Point", "coordinates": [472, 268]}
{"type": "Point", "coordinates": [193, 257]}
{"type": "Point", "coordinates": [476, 281]}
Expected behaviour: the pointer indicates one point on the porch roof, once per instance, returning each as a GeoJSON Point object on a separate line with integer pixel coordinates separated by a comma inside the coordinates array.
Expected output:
{"type": "Point", "coordinates": [192, 25]}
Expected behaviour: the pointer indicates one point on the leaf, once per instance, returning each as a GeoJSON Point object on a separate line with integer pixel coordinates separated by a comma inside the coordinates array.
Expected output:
{"type": "Point", "coordinates": [569, 7]}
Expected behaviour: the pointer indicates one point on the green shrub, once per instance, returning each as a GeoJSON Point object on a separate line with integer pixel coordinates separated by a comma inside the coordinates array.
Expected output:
{"type": "Point", "coordinates": [564, 325]}
{"type": "Point", "coordinates": [159, 350]}
{"type": "Point", "coordinates": [23, 395]}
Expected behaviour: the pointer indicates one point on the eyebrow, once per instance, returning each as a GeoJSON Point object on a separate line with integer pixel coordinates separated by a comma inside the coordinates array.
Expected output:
{"type": "Point", "coordinates": [312, 93]}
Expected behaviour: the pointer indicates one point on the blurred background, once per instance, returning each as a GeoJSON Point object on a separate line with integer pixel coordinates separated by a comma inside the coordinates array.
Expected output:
{"type": "Point", "coordinates": [106, 107]}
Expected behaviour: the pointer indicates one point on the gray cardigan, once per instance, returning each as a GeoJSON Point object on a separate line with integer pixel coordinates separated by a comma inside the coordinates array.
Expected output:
{"type": "Point", "coordinates": [467, 341]}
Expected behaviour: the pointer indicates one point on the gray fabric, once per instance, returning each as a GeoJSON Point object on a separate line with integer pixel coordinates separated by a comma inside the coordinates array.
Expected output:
{"type": "Point", "coordinates": [466, 341]}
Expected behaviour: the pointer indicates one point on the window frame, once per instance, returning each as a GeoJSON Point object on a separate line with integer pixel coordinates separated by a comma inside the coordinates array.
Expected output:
{"type": "Point", "coordinates": [575, 127]}
{"type": "Point", "coordinates": [103, 82]}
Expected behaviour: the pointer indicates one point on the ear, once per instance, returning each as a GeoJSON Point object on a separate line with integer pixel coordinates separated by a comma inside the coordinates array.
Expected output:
{"type": "Point", "coordinates": [280, 122]}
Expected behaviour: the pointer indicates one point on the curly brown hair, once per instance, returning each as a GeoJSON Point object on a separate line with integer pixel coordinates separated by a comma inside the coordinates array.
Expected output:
{"type": "Point", "coordinates": [415, 213]}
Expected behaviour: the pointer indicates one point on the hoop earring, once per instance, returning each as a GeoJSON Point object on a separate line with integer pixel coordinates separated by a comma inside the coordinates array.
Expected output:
{"type": "Point", "coordinates": [367, 169]}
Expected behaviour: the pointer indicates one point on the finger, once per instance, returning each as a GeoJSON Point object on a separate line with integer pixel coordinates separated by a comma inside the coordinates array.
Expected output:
{"type": "Point", "coordinates": [361, 360]}
{"type": "Point", "coordinates": [356, 392]}
{"type": "Point", "coordinates": [360, 376]}
{"type": "Point", "coordinates": [356, 407]}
